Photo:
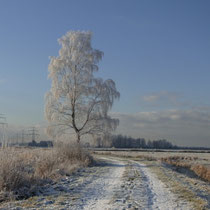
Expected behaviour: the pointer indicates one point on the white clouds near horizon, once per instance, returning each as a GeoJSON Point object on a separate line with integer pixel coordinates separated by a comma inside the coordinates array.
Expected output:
{"type": "Point", "coordinates": [182, 127]}
{"type": "Point", "coordinates": [163, 97]}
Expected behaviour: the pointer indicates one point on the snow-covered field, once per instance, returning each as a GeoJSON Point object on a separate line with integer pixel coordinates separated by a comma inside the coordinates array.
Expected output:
{"type": "Point", "coordinates": [113, 184]}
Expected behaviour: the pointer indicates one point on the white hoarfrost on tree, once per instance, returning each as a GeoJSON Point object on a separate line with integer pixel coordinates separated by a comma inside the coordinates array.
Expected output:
{"type": "Point", "coordinates": [77, 101]}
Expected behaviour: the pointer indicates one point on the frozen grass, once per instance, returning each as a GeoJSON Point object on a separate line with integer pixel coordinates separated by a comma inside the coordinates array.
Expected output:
{"type": "Point", "coordinates": [182, 191]}
{"type": "Point", "coordinates": [23, 170]}
{"type": "Point", "coordinates": [204, 157]}
{"type": "Point", "coordinates": [62, 160]}
{"type": "Point", "coordinates": [198, 163]}
{"type": "Point", "coordinates": [127, 155]}
{"type": "Point", "coordinates": [15, 176]}
{"type": "Point", "coordinates": [202, 171]}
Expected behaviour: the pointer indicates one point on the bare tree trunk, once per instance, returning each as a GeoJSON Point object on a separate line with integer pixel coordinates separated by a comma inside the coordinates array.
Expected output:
{"type": "Point", "coordinates": [78, 137]}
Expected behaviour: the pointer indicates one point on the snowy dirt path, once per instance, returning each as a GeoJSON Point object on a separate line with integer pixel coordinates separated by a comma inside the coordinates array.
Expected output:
{"type": "Point", "coordinates": [102, 190]}
{"type": "Point", "coordinates": [114, 184]}
{"type": "Point", "coordinates": [133, 186]}
{"type": "Point", "coordinates": [158, 196]}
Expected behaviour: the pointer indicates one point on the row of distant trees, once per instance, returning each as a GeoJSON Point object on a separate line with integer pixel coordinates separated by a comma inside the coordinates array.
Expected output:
{"type": "Point", "coordinates": [120, 141]}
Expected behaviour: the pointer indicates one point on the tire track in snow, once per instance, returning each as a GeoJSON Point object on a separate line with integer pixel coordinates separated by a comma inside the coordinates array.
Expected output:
{"type": "Point", "coordinates": [160, 197]}
{"type": "Point", "coordinates": [101, 191]}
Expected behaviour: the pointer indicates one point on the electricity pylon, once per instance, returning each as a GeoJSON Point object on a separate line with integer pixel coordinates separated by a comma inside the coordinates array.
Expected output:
{"type": "Point", "coordinates": [33, 132]}
{"type": "Point", "coordinates": [23, 136]}
{"type": "Point", "coordinates": [3, 125]}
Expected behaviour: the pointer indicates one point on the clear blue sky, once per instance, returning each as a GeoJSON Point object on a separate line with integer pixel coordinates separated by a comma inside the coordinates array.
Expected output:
{"type": "Point", "coordinates": [157, 52]}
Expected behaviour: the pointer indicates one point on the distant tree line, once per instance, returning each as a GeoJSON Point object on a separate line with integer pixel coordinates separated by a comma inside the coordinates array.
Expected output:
{"type": "Point", "coordinates": [40, 144]}
{"type": "Point", "coordinates": [120, 141]}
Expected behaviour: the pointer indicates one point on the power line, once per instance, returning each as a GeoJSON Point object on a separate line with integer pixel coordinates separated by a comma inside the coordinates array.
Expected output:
{"type": "Point", "coordinates": [33, 132]}
{"type": "Point", "coordinates": [3, 125]}
{"type": "Point", "coordinates": [23, 136]}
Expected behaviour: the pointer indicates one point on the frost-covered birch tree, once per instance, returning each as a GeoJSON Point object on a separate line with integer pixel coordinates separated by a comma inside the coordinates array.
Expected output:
{"type": "Point", "coordinates": [77, 100]}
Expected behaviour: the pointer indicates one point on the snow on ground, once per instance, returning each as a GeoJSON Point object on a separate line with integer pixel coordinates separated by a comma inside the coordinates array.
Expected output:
{"type": "Point", "coordinates": [114, 184]}
{"type": "Point", "coordinates": [102, 190]}
{"type": "Point", "coordinates": [159, 196]}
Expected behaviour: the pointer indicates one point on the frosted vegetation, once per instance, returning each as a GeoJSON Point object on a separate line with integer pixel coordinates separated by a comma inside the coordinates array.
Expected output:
{"type": "Point", "coordinates": [121, 183]}
{"type": "Point", "coordinates": [24, 171]}
{"type": "Point", "coordinates": [59, 177]}
{"type": "Point", "coordinates": [78, 102]}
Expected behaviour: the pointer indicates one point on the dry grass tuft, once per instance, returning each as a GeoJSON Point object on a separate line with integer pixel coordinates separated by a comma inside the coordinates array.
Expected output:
{"type": "Point", "coordinates": [15, 176]}
{"type": "Point", "coordinates": [63, 159]}
{"type": "Point", "coordinates": [201, 171]}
